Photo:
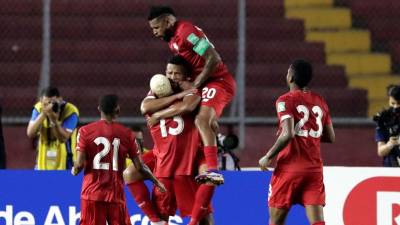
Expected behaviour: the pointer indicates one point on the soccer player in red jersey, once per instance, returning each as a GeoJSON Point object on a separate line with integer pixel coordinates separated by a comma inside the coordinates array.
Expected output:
{"type": "Point", "coordinates": [304, 121]}
{"type": "Point", "coordinates": [102, 149]}
{"type": "Point", "coordinates": [176, 147]}
{"type": "Point", "coordinates": [209, 74]}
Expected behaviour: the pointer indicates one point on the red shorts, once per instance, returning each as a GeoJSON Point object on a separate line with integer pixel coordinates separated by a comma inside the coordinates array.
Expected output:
{"type": "Point", "coordinates": [149, 159]}
{"type": "Point", "coordinates": [181, 195]}
{"type": "Point", "coordinates": [218, 92]}
{"type": "Point", "coordinates": [98, 213]}
{"type": "Point", "coordinates": [289, 188]}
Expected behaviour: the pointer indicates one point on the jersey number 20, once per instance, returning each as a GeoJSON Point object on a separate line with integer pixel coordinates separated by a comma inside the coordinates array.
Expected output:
{"type": "Point", "coordinates": [317, 113]}
{"type": "Point", "coordinates": [97, 165]}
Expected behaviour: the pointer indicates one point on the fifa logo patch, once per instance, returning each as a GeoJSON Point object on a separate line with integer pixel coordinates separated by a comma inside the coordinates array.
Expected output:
{"type": "Point", "coordinates": [281, 107]}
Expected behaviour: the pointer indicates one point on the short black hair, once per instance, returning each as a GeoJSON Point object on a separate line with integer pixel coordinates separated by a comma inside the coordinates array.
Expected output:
{"type": "Point", "coordinates": [50, 92]}
{"type": "Point", "coordinates": [156, 11]}
{"type": "Point", "coordinates": [136, 128]}
{"type": "Point", "coordinates": [108, 104]}
{"type": "Point", "coordinates": [180, 61]}
{"type": "Point", "coordinates": [394, 91]}
{"type": "Point", "coordinates": [303, 72]}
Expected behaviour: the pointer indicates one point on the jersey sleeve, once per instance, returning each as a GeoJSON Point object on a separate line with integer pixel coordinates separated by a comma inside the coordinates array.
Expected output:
{"type": "Point", "coordinates": [81, 144]}
{"type": "Point", "coordinates": [35, 114]}
{"type": "Point", "coordinates": [284, 108]}
{"type": "Point", "coordinates": [70, 123]}
{"type": "Point", "coordinates": [192, 37]}
{"type": "Point", "coordinates": [380, 135]}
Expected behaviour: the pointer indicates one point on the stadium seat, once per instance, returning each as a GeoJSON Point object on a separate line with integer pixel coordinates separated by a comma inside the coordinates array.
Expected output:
{"type": "Point", "coordinates": [307, 3]}
{"type": "Point", "coordinates": [277, 29]}
{"type": "Point", "coordinates": [19, 74]}
{"type": "Point", "coordinates": [376, 86]}
{"type": "Point", "coordinates": [284, 51]}
{"type": "Point", "coordinates": [274, 75]}
{"type": "Point", "coordinates": [17, 27]}
{"type": "Point", "coordinates": [322, 18]}
{"type": "Point", "coordinates": [342, 41]}
{"type": "Point", "coordinates": [265, 9]}
{"type": "Point", "coordinates": [361, 63]}
{"type": "Point", "coordinates": [336, 98]}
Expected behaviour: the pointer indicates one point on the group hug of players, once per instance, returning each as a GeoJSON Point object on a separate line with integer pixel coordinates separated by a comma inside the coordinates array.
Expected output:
{"type": "Point", "coordinates": [182, 109]}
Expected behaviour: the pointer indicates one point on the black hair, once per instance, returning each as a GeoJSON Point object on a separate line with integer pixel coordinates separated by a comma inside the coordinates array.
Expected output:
{"type": "Point", "coordinates": [50, 92]}
{"type": "Point", "coordinates": [137, 128]}
{"type": "Point", "coordinates": [108, 104]}
{"type": "Point", "coordinates": [303, 72]}
{"type": "Point", "coordinates": [156, 11]}
{"type": "Point", "coordinates": [180, 61]}
{"type": "Point", "coordinates": [394, 91]}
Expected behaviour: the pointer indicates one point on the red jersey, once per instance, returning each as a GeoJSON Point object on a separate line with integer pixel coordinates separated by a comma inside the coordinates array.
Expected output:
{"type": "Point", "coordinates": [176, 144]}
{"type": "Point", "coordinates": [310, 113]}
{"type": "Point", "coordinates": [190, 42]}
{"type": "Point", "coordinates": [107, 145]}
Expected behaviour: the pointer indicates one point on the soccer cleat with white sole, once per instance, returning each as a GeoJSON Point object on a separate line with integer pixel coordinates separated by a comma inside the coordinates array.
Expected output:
{"type": "Point", "coordinates": [212, 177]}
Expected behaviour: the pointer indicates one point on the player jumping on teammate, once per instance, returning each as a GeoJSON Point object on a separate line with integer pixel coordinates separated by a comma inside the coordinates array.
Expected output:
{"type": "Point", "coordinates": [209, 74]}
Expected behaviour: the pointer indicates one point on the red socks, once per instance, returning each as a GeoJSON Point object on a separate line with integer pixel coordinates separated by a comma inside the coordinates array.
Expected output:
{"type": "Point", "coordinates": [202, 203]}
{"type": "Point", "coordinates": [211, 155]}
{"type": "Point", "coordinates": [141, 195]}
{"type": "Point", "coordinates": [319, 223]}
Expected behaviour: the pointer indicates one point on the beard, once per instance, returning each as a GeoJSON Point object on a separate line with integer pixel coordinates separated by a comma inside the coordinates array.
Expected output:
{"type": "Point", "coordinates": [169, 33]}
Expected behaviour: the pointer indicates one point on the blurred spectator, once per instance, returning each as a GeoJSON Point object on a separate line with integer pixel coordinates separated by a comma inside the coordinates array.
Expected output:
{"type": "Point", "coordinates": [54, 122]}
{"type": "Point", "coordinates": [388, 129]}
{"type": "Point", "coordinates": [2, 148]}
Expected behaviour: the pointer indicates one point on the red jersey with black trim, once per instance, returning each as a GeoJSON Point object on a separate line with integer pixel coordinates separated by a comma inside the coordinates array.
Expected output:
{"type": "Point", "coordinates": [107, 145]}
{"type": "Point", "coordinates": [310, 114]}
{"type": "Point", "coordinates": [190, 42]}
{"type": "Point", "coordinates": [176, 145]}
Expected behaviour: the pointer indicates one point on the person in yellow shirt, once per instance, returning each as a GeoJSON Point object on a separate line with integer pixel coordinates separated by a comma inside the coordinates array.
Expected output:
{"type": "Point", "coordinates": [54, 122]}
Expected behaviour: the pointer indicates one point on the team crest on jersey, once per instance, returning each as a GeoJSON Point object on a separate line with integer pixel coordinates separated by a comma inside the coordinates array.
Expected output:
{"type": "Point", "coordinates": [281, 107]}
{"type": "Point", "coordinates": [175, 46]}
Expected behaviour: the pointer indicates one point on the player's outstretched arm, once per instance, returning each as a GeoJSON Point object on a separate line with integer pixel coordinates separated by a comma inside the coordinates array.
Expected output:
{"type": "Point", "coordinates": [151, 105]}
{"type": "Point", "coordinates": [146, 172]}
{"type": "Point", "coordinates": [212, 59]}
{"type": "Point", "coordinates": [284, 138]}
{"type": "Point", "coordinates": [79, 163]}
{"type": "Point", "coordinates": [328, 134]}
{"type": "Point", "coordinates": [187, 105]}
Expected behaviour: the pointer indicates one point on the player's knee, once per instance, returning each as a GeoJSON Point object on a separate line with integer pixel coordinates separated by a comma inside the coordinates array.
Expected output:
{"type": "Point", "coordinates": [201, 122]}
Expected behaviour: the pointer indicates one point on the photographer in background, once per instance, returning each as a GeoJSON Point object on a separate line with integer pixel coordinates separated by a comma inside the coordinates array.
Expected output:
{"type": "Point", "coordinates": [388, 129]}
{"type": "Point", "coordinates": [54, 122]}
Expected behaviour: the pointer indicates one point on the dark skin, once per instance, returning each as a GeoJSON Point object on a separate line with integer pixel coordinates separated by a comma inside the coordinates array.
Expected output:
{"type": "Point", "coordinates": [206, 120]}
{"type": "Point", "coordinates": [314, 212]}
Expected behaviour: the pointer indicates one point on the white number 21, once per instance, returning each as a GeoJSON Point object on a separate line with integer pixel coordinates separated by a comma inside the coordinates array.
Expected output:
{"type": "Point", "coordinates": [97, 165]}
{"type": "Point", "coordinates": [317, 111]}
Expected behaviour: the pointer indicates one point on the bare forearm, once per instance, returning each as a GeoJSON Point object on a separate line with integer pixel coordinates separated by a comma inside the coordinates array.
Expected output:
{"type": "Point", "coordinates": [280, 144]}
{"type": "Point", "coordinates": [146, 172]}
{"type": "Point", "coordinates": [60, 133]}
{"type": "Point", "coordinates": [34, 126]}
{"type": "Point", "coordinates": [153, 105]}
{"type": "Point", "coordinates": [384, 149]}
{"type": "Point", "coordinates": [174, 110]}
{"type": "Point", "coordinates": [209, 68]}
